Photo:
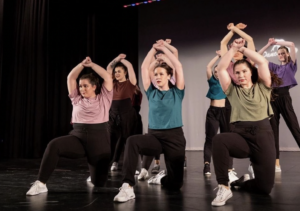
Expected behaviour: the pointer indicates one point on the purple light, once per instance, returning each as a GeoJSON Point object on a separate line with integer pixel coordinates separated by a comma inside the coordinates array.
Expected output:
{"type": "Point", "coordinates": [145, 2]}
{"type": "Point", "coordinates": [133, 5]}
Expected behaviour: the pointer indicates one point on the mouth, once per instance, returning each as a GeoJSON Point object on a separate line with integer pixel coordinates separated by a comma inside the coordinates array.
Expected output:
{"type": "Point", "coordinates": [158, 82]}
{"type": "Point", "coordinates": [242, 80]}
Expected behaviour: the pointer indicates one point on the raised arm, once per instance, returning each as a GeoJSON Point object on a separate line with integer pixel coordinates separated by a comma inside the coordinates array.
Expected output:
{"type": "Point", "coordinates": [73, 75]}
{"type": "Point", "coordinates": [250, 42]}
{"type": "Point", "coordinates": [271, 41]}
{"type": "Point", "coordinates": [176, 63]}
{"type": "Point", "coordinates": [260, 61]}
{"type": "Point", "coordinates": [223, 75]}
{"type": "Point", "coordinates": [145, 68]}
{"type": "Point", "coordinates": [113, 63]}
{"type": "Point", "coordinates": [131, 73]}
{"type": "Point", "coordinates": [108, 81]}
{"type": "Point", "coordinates": [291, 45]}
{"type": "Point", "coordinates": [209, 67]}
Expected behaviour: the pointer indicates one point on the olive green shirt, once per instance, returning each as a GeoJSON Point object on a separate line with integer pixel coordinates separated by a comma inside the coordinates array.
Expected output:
{"type": "Point", "coordinates": [251, 104]}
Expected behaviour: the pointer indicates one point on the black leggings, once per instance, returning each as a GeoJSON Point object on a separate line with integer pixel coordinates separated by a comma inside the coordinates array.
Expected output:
{"type": "Point", "coordinates": [283, 105]}
{"type": "Point", "coordinates": [215, 117]}
{"type": "Point", "coordinates": [85, 140]}
{"type": "Point", "coordinates": [247, 139]}
{"type": "Point", "coordinates": [171, 142]}
{"type": "Point", "coordinates": [123, 122]}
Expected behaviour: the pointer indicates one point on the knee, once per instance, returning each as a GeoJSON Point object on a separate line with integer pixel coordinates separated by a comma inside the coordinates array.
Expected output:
{"type": "Point", "coordinates": [132, 140]}
{"type": "Point", "coordinates": [53, 146]}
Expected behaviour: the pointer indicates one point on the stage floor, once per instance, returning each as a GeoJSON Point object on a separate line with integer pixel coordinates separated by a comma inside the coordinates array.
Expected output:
{"type": "Point", "coordinates": [68, 189]}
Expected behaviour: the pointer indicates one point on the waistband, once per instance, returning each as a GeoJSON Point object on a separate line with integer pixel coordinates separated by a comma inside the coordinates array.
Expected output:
{"type": "Point", "coordinates": [121, 105]}
{"type": "Point", "coordinates": [260, 123]}
{"type": "Point", "coordinates": [162, 130]}
{"type": "Point", "coordinates": [282, 90]}
{"type": "Point", "coordinates": [81, 126]}
{"type": "Point", "coordinates": [215, 107]}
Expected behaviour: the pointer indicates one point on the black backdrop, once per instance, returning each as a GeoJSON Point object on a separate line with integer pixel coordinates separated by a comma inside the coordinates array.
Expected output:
{"type": "Point", "coordinates": [40, 42]}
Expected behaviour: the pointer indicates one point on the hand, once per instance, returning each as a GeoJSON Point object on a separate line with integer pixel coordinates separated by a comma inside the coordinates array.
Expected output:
{"type": "Point", "coordinates": [230, 26]}
{"type": "Point", "coordinates": [238, 43]}
{"type": "Point", "coordinates": [241, 26]}
{"type": "Point", "coordinates": [122, 56]}
{"type": "Point", "coordinates": [168, 41]}
{"type": "Point", "coordinates": [158, 46]}
{"type": "Point", "coordinates": [272, 41]}
{"type": "Point", "coordinates": [87, 62]}
{"type": "Point", "coordinates": [218, 53]}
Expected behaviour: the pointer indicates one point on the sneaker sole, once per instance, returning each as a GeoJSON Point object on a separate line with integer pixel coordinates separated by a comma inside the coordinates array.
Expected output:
{"type": "Point", "coordinates": [45, 191]}
{"type": "Point", "coordinates": [124, 200]}
{"type": "Point", "coordinates": [223, 202]}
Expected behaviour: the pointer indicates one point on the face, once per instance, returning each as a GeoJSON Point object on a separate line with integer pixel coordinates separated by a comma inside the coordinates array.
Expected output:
{"type": "Point", "coordinates": [86, 89]}
{"type": "Point", "coordinates": [161, 77]}
{"type": "Point", "coordinates": [216, 74]}
{"type": "Point", "coordinates": [283, 55]}
{"type": "Point", "coordinates": [120, 74]}
{"type": "Point", "coordinates": [238, 56]}
{"type": "Point", "coordinates": [243, 74]}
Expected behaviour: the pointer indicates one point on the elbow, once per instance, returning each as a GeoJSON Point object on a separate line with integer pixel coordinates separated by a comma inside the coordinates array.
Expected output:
{"type": "Point", "coordinates": [292, 45]}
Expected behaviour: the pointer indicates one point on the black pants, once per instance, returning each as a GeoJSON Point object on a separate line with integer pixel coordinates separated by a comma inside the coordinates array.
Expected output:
{"type": "Point", "coordinates": [247, 139]}
{"type": "Point", "coordinates": [123, 121]}
{"type": "Point", "coordinates": [171, 142]}
{"type": "Point", "coordinates": [216, 117]}
{"type": "Point", "coordinates": [85, 140]}
{"type": "Point", "coordinates": [283, 105]}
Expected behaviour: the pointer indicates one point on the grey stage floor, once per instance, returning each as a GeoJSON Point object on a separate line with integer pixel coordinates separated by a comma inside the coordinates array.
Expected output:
{"type": "Point", "coordinates": [68, 189]}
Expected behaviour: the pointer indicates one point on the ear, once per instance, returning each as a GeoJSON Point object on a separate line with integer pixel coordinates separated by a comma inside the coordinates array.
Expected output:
{"type": "Point", "coordinates": [94, 87]}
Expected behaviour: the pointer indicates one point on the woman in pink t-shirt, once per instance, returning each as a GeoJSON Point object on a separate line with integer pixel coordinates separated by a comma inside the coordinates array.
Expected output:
{"type": "Point", "coordinates": [90, 137]}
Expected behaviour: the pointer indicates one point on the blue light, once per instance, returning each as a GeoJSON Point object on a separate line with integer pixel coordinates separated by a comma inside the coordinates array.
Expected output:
{"type": "Point", "coordinates": [145, 2]}
{"type": "Point", "coordinates": [133, 5]}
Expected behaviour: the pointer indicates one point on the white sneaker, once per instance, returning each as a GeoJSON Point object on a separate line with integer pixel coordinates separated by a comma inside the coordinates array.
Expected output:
{"type": "Point", "coordinates": [137, 172]}
{"type": "Point", "coordinates": [37, 188]}
{"type": "Point", "coordinates": [250, 169]}
{"type": "Point", "coordinates": [157, 178]}
{"type": "Point", "coordinates": [114, 166]}
{"type": "Point", "coordinates": [126, 193]}
{"type": "Point", "coordinates": [277, 168]}
{"type": "Point", "coordinates": [89, 179]}
{"type": "Point", "coordinates": [223, 195]}
{"type": "Point", "coordinates": [143, 175]}
{"type": "Point", "coordinates": [232, 176]}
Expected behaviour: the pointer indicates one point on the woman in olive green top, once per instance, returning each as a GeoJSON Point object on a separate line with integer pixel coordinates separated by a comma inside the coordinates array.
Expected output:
{"type": "Point", "coordinates": [251, 136]}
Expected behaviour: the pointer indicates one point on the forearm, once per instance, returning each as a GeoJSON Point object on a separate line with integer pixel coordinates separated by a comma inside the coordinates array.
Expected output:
{"type": "Point", "coordinates": [131, 73]}
{"type": "Point", "coordinates": [147, 61]}
{"type": "Point", "coordinates": [172, 49]}
{"type": "Point", "coordinates": [212, 62]}
{"type": "Point", "coordinates": [175, 62]}
{"type": "Point", "coordinates": [261, 51]}
{"type": "Point", "coordinates": [101, 72]}
{"type": "Point", "coordinates": [112, 65]}
{"type": "Point", "coordinates": [248, 38]}
{"type": "Point", "coordinates": [226, 59]}
{"type": "Point", "coordinates": [73, 75]}
{"type": "Point", "coordinates": [254, 56]}
{"type": "Point", "coordinates": [224, 42]}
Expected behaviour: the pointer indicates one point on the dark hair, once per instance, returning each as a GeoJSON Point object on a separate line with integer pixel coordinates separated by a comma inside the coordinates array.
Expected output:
{"type": "Point", "coordinates": [287, 50]}
{"type": "Point", "coordinates": [120, 64]}
{"type": "Point", "coordinates": [169, 71]}
{"type": "Point", "coordinates": [93, 80]}
{"type": "Point", "coordinates": [253, 69]}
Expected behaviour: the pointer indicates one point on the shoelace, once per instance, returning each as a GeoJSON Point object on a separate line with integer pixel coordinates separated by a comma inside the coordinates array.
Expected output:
{"type": "Point", "coordinates": [220, 191]}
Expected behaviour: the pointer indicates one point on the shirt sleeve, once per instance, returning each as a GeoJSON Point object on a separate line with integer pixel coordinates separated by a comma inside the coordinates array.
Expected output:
{"type": "Point", "coordinates": [293, 66]}
{"type": "Point", "coordinates": [180, 92]}
{"type": "Point", "coordinates": [150, 90]}
{"type": "Point", "coordinates": [74, 96]}
{"type": "Point", "coordinates": [273, 67]}
{"type": "Point", "coordinates": [229, 89]}
{"type": "Point", "coordinates": [106, 95]}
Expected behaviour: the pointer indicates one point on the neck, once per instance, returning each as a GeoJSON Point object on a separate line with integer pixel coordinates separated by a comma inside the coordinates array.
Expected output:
{"type": "Point", "coordinates": [164, 88]}
{"type": "Point", "coordinates": [247, 86]}
{"type": "Point", "coordinates": [283, 63]}
{"type": "Point", "coordinates": [122, 80]}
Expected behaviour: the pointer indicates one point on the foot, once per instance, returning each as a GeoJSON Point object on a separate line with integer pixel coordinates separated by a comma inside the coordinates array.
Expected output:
{"type": "Point", "coordinates": [37, 188]}
{"type": "Point", "coordinates": [223, 195]}
{"type": "Point", "coordinates": [137, 172]}
{"type": "Point", "coordinates": [114, 166]}
{"type": "Point", "coordinates": [89, 179]}
{"type": "Point", "coordinates": [143, 175]}
{"type": "Point", "coordinates": [232, 176]}
{"type": "Point", "coordinates": [155, 169]}
{"type": "Point", "coordinates": [126, 193]}
{"type": "Point", "coordinates": [238, 183]}
{"type": "Point", "coordinates": [157, 178]}
{"type": "Point", "coordinates": [206, 169]}
{"type": "Point", "coordinates": [250, 169]}
{"type": "Point", "coordinates": [277, 168]}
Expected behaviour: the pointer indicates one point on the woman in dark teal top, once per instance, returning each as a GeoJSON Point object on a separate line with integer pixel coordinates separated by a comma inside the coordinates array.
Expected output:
{"type": "Point", "coordinates": [165, 134]}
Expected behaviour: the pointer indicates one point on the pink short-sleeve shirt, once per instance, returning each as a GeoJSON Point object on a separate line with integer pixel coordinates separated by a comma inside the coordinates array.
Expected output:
{"type": "Point", "coordinates": [91, 110]}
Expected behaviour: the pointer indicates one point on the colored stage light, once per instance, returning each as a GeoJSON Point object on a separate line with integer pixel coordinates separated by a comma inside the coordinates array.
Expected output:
{"type": "Point", "coordinates": [139, 3]}
{"type": "Point", "coordinates": [150, 1]}
{"type": "Point", "coordinates": [145, 2]}
{"type": "Point", "coordinates": [133, 5]}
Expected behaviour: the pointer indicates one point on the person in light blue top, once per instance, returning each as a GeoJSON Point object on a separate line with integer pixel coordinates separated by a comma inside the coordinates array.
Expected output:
{"type": "Point", "coordinates": [217, 116]}
{"type": "Point", "coordinates": [165, 134]}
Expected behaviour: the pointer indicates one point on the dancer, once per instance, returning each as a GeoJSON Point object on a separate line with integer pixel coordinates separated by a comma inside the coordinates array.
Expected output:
{"type": "Point", "coordinates": [218, 115]}
{"type": "Point", "coordinates": [252, 134]}
{"type": "Point", "coordinates": [123, 117]}
{"type": "Point", "coordinates": [165, 134]}
{"type": "Point", "coordinates": [90, 137]}
{"type": "Point", "coordinates": [282, 103]}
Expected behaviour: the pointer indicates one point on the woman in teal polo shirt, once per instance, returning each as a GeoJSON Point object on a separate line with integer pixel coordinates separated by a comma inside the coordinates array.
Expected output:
{"type": "Point", "coordinates": [165, 134]}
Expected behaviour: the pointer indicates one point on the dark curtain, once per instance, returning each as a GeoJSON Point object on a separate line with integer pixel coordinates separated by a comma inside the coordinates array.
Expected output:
{"type": "Point", "coordinates": [42, 41]}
